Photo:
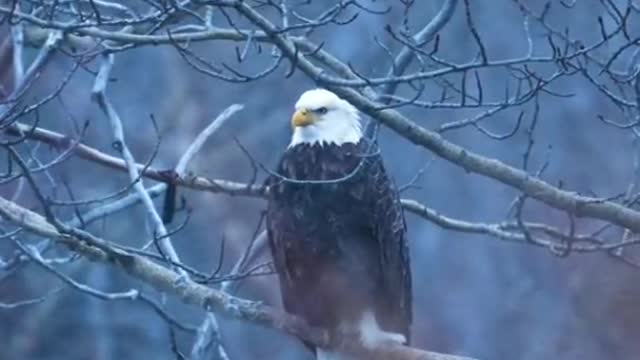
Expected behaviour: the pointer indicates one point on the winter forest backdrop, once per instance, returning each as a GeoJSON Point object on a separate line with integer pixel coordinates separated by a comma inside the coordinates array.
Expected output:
{"type": "Point", "coordinates": [505, 267]}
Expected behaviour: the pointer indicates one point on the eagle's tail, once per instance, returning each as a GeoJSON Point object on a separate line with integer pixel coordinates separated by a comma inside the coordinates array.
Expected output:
{"type": "Point", "coordinates": [371, 336]}
{"type": "Point", "coordinates": [332, 355]}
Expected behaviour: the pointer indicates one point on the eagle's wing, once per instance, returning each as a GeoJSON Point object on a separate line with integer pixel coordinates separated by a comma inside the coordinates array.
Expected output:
{"type": "Point", "coordinates": [367, 231]}
{"type": "Point", "coordinates": [280, 231]}
{"type": "Point", "coordinates": [394, 307]}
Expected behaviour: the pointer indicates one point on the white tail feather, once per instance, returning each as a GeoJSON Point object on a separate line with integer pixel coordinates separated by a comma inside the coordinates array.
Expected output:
{"type": "Point", "coordinates": [333, 355]}
{"type": "Point", "coordinates": [371, 335]}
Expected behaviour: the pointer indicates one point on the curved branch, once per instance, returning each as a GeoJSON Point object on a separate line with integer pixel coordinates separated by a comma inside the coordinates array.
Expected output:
{"type": "Point", "coordinates": [209, 299]}
{"type": "Point", "coordinates": [426, 34]}
{"type": "Point", "coordinates": [61, 141]}
{"type": "Point", "coordinates": [554, 240]}
{"type": "Point", "coordinates": [581, 206]}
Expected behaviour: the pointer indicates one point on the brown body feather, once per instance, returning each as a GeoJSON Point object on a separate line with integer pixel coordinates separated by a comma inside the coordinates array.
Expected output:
{"type": "Point", "coordinates": [339, 248]}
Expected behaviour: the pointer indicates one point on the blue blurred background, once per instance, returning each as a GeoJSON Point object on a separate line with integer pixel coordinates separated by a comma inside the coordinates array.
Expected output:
{"type": "Point", "coordinates": [473, 295]}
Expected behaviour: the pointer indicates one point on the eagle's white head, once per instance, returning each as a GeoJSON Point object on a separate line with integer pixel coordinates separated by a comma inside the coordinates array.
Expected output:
{"type": "Point", "coordinates": [322, 117]}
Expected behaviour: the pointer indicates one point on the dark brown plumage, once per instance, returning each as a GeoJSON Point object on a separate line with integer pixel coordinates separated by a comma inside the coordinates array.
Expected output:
{"type": "Point", "coordinates": [339, 248]}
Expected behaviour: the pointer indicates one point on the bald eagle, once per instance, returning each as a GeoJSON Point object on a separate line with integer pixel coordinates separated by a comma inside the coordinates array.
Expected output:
{"type": "Point", "coordinates": [336, 229]}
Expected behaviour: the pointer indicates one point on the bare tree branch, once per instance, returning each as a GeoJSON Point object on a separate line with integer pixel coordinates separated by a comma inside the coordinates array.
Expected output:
{"type": "Point", "coordinates": [481, 85]}
{"type": "Point", "coordinates": [233, 188]}
{"type": "Point", "coordinates": [424, 36]}
{"type": "Point", "coordinates": [209, 299]}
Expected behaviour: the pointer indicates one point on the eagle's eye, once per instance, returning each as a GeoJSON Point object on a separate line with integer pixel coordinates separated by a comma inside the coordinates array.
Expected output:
{"type": "Point", "coordinates": [321, 110]}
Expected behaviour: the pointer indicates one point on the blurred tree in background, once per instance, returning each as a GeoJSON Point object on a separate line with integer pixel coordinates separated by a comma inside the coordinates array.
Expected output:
{"type": "Point", "coordinates": [512, 128]}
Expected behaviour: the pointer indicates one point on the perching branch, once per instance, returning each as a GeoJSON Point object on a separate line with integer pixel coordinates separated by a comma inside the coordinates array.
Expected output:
{"type": "Point", "coordinates": [166, 280]}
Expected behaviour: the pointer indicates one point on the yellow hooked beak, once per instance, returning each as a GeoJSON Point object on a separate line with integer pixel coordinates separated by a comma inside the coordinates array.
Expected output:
{"type": "Point", "coordinates": [301, 118]}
